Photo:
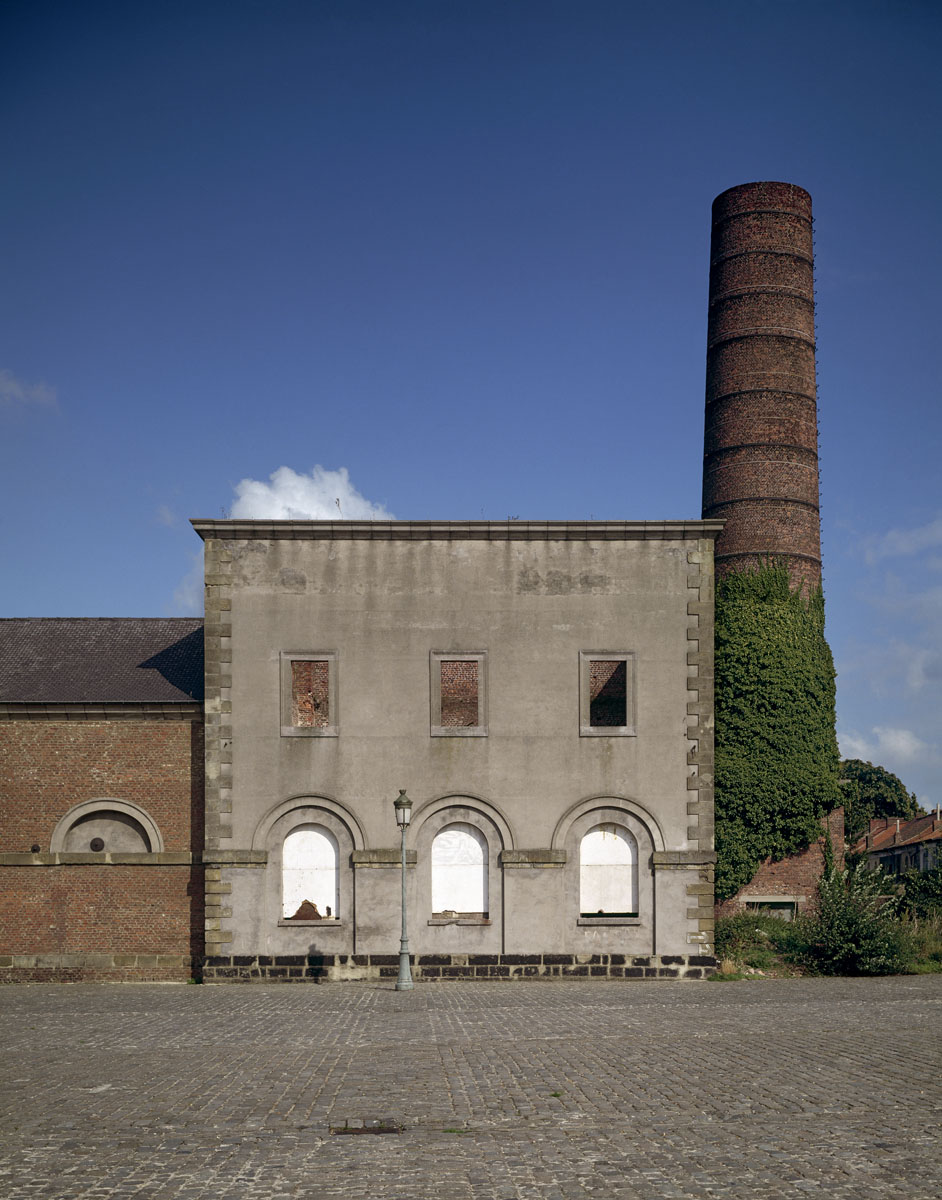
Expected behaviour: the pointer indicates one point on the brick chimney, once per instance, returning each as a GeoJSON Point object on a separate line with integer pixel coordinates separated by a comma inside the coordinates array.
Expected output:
{"type": "Point", "coordinates": [760, 463]}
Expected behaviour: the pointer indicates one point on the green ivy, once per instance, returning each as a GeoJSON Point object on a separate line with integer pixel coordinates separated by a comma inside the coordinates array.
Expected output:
{"type": "Point", "coordinates": [776, 750]}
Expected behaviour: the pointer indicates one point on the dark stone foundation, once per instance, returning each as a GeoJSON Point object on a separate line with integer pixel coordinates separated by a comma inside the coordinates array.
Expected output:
{"type": "Point", "coordinates": [324, 968]}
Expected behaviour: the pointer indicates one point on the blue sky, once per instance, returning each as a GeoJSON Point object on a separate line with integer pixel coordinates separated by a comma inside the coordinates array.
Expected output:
{"type": "Point", "coordinates": [455, 255]}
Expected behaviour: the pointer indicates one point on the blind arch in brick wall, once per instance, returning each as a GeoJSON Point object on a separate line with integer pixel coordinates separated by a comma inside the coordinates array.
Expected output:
{"type": "Point", "coordinates": [102, 805]}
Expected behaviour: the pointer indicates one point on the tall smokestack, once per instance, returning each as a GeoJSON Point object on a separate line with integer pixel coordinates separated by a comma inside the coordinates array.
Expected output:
{"type": "Point", "coordinates": [760, 463]}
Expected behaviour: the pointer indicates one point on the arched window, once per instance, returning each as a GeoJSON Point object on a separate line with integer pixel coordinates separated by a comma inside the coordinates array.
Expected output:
{"type": "Point", "coordinates": [608, 873]}
{"type": "Point", "coordinates": [309, 874]}
{"type": "Point", "coordinates": [459, 871]}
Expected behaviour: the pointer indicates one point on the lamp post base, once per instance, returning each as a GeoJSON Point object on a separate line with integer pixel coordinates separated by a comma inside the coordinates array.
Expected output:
{"type": "Point", "coordinates": [404, 982]}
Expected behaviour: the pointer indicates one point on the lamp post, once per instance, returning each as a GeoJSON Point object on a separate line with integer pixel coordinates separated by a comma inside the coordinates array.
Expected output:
{"type": "Point", "coordinates": [403, 806]}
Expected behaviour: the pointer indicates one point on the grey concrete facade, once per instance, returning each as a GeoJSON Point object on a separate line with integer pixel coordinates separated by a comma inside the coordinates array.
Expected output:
{"type": "Point", "coordinates": [531, 604]}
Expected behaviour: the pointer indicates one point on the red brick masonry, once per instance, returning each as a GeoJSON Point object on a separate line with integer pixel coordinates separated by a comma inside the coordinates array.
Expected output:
{"type": "Point", "coordinates": [93, 918]}
{"type": "Point", "coordinates": [795, 876]}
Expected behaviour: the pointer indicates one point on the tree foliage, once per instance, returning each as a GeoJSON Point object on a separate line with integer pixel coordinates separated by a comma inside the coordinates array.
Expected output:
{"type": "Point", "coordinates": [776, 751]}
{"type": "Point", "coordinates": [872, 791]}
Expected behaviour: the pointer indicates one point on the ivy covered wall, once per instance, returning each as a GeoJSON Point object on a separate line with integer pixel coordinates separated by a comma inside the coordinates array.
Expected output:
{"type": "Point", "coordinates": [776, 749]}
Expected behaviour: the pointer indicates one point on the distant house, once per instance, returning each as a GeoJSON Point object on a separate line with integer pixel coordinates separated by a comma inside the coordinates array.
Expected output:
{"type": "Point", "coordinates": [898, 846]}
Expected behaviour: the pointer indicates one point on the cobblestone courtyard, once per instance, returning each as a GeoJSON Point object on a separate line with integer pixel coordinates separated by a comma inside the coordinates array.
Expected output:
{"type": "Point", "coordinates": [555, 1090]}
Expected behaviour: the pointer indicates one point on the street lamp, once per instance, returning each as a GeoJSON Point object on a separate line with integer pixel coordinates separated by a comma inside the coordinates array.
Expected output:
{"type": "Point", "coordinates": [403, 806]}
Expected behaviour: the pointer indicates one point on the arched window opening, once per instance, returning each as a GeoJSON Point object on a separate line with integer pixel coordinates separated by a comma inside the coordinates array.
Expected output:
{"type": "Point", "coordinates": [107, 830]}
{"type": "Point", "coordinates": [309, 875]}
{"type": "Point", "coordinates": [459, 872]}
{"type": "Point", "coordinates": [608, 873]}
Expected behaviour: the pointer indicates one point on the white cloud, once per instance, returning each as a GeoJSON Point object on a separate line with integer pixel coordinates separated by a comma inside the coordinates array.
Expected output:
{"type": "Point", "coordinates": [899, 542]}
{"type": "Point", "coordinates": [188, 594]}
{"type": "Point", "coordinates": [321, 496]}
{"type": "Point", "coordinates": [14, 393]}
{"type": "Point", "coordinates": [888, 747]}
{"type": "Point", "coordinates": [166, 515]}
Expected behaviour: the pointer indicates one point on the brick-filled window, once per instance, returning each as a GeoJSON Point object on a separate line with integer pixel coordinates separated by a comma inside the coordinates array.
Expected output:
{"type": "Point", "coordinates": [459, 684]}
{"type": "Point", "coordinates": [458, 687]}
{"type": "Point", "coordinates": [309, 694]}
{"type": "Point", "coordinates": [606, 693]}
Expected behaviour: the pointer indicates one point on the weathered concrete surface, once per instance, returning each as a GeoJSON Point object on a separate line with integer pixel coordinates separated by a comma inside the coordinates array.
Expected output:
{"type": "Point", "coordinates": [380, 605]}
{"type": "Point", "coordinates": [775, 1089]}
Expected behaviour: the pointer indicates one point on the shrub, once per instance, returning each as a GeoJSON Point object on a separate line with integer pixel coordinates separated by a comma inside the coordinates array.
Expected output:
{"type": "Point", "coordinates": [922, 892]}
{"type": "Point", "coordinates": [855, 929]}
{"type": "Point", "coordinates": [760, 940]}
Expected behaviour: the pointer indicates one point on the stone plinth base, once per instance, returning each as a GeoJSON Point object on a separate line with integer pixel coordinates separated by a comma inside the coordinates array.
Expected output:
{"type": "Point", "coordinates": [324, 968]}
{"type": "Point", "coordinates": [97, 968]}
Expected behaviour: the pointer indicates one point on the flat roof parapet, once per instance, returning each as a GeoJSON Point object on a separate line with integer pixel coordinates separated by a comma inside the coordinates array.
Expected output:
{"type": "Point", "coordinates": [498, 531]}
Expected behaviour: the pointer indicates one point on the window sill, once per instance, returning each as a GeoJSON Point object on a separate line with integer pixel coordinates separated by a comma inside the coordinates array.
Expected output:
{"type": "Point", "coordinates": [310, 731]}
{"type": "Point", "coordinates": [329, 922]}
{"type": "Point", "coordinates": [608, 921]}
{"type": "Point", "coordinates": [459, 731]}
{"type": "Point", "coordinates": [459, 921]}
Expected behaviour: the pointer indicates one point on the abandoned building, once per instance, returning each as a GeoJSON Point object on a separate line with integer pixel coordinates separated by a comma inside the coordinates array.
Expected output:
{"type": "Point", "coordinates": [215, 797]}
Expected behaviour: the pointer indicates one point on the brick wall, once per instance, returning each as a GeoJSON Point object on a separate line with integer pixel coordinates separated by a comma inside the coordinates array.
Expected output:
{"type": "Point", "coordinates": [95, 919]}
{"type": "Point", "coordinates": [796, 875]}
{"type": "Point", "coordinates": [47, 767]}
{"type": "Point", "coordinates": [91, 909]}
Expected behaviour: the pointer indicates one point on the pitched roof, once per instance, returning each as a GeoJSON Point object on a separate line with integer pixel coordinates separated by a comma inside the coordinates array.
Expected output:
{"type": "Point", "coordinates": [101, 660]}
{"type": "Point", "coordinates": [893, 834]}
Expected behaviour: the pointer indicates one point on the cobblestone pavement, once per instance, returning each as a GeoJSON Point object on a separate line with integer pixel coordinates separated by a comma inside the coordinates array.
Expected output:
{"type": "Point", "coordinates": [503, 1091]}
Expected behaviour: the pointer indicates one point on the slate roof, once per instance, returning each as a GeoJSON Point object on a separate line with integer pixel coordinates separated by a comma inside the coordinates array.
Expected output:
{"type": "Point", "coordinates": [101, 660]}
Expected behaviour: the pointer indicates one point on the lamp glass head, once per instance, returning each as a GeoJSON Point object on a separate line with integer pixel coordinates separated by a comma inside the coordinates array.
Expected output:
{"type": "Point", "coordinates": [403, 806]}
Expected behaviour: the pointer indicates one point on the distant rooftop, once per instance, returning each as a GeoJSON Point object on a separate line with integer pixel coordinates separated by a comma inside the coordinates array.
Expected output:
{"type": "Point", "coordinates": [888, 833]}
{"type": "Point", "coordinates": [101, 660]}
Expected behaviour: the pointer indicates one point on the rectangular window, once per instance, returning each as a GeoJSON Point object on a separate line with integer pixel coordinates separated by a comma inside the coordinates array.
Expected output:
{"type": "Point", "coordinates": [458, 685]}
{"type": "Point", "coordinates": [606, 693]}
{"type": "Point", "coordinates": [784, 909]}
{"type": "Point", "coordinates": [309, 694]}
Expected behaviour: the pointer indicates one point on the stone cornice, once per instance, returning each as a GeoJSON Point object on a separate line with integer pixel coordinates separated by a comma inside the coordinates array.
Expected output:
{"type": "Point", "coordinates": [498, 531]}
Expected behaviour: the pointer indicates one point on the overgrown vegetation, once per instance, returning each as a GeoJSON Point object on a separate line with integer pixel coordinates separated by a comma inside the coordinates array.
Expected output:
{"type": "Point", "coordinates": [855, 929]}
{"type": "Point", "coordinates": [776, 751]}
{"type": "Point", "coordinates": [864, 923]}
{"type": "Point", "coordinates": [761, 942]}
{"type": "Point", "coordinates": [922, 893]}
{"type": "Point", "coordinates": [871, 791]}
